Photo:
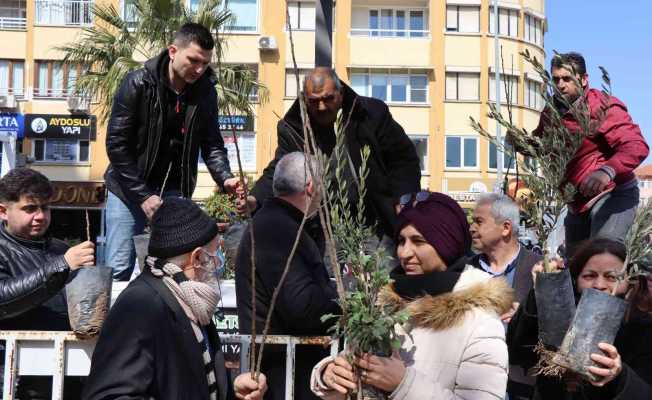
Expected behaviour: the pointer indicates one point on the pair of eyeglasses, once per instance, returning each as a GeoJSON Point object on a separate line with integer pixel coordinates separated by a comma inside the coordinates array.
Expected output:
{"type": "Point", "coordinates": [412, 199]}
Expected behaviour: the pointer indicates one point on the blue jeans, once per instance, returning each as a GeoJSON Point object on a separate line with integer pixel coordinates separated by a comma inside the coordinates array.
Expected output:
{"type": "Point", "coordinates": [610, 217]}
{"type": "Point", "coordinates": [123, 221]}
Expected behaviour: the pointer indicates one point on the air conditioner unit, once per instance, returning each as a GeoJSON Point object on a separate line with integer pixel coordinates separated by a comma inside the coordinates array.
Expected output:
{"type": "Point", "coordinates": [8, 101]}
{"type": "Point", "coordinates": [78, 103]}
{"type": "Point", "coordinates": [267, 43]}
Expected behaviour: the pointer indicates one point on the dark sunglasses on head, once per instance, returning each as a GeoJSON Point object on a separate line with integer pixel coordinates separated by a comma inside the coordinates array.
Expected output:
{"type": "Point", "coordinates": [413, 198]}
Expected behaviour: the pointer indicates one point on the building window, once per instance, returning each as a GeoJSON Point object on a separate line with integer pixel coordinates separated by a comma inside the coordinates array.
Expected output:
{"type": "Point", "coordinates": [462, 19]}
{"type": "Point", "coordinates": [291, 81]}
{"type": "Point", "coordinates": [394, 87]}
{"type": "Point", "coordinates": [130, 13]}
{"type": "Point", "coordinates": [12, 77]}
{"type": "Point", "coordinates": [61, 150]}
{"type": "Point", "coordinates": [389, 22]}
{"type": "Point", "coordinates": [13, 14]}
{"type": "Point", "coordinates": [533, 30]}
{"type": "Point", "coordinates": [64, 12]}
{"type": "Point", "coordinates": [245, 15]}
{"type": "Point", "coordinates": [461, 152]}
{"type": "Point", "coordinates": [507, 21]}
{"type": "Point", "coordinates": [421, 144]}
{"type": "Point", "coordinates": [533, 97]}
{"type": "Point", "coordinates": [302, 15]}
{"type": "Point", "coordinates": [508, 157]}
{"type": "Point", "coordinates": [507, 83]}
{"type": "Point", "coordinates": [55, 79]}
{"type": "Point", "coordinates": [463, 86]}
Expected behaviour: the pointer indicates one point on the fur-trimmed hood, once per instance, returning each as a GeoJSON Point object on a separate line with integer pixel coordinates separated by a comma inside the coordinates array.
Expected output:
{"type": "Point", "coordinates": [475, 290]}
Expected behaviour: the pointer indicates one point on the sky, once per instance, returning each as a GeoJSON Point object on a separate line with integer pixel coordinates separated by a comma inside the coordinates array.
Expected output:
{"type": "Point", "coordinates": [616, 35]}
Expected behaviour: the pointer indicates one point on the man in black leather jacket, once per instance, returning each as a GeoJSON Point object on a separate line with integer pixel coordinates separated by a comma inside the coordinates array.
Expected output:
{"type": "Point", "coordinates": [34, 268]}
{"type": "Point", "coordinates": [162, 116]}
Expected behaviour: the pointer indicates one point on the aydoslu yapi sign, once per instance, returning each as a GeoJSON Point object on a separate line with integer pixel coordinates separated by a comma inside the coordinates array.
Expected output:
{"type": "Point", "coordinates": [49, 126]}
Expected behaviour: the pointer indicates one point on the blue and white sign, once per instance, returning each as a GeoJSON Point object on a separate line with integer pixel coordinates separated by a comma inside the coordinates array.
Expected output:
{"type": "Point", "coordinates": [12, 124]}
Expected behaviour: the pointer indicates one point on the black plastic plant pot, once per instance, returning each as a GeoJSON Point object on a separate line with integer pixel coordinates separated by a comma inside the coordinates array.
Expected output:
{"type": "Point", "coordinates": [555, 306]}
{"type": "Point", "coordinates": [141, 243]}
{"type": "Point", "coordinates": [597, 320]}
{"type": "Point", "coordinates": [89, 295]}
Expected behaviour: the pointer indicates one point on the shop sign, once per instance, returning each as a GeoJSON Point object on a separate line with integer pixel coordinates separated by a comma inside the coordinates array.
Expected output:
{"type": "Point", "coordinates": [60, 126]}
{"type": "Point", "coordinates": [12, 124]}
{"type": "Point", "coordinates": [239, 123]}
{"type": "Point", "coordinates": [78, 194]}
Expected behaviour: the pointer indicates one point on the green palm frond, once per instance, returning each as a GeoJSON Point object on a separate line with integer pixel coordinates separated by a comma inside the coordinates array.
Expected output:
{"type": "Point", "coordinates": [113, 47]}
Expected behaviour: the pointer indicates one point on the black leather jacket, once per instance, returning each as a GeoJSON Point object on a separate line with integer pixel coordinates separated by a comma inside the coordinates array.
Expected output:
{"type": "Point", "coordinates": [136, 126]}
{"type": "Point", "coordinates": [32, 278]}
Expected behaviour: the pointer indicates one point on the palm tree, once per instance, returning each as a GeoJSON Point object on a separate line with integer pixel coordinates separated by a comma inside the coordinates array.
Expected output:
{"type": "Point", "coordinates": [114, 46]}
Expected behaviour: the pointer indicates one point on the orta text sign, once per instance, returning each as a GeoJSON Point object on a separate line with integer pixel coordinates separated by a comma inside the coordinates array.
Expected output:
{"type": "Point", "coordinates": [60, 126]}
{"type": "Point", "coordinates": [12, 124]}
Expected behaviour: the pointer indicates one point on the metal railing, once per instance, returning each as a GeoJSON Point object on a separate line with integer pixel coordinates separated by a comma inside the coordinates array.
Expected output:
{"type": "Point", "coordinates": [17, 92]}
{"type": "Point", "coordinates": [390, 33]}
{"type": "Point", "coordinates": [64, 12]}
{"type": "Point", "coordinates": [52, 93]}
{"type": "Point", "coordinates": [60, 354]}
{"type": "Point", "coordinates": [13, 23]}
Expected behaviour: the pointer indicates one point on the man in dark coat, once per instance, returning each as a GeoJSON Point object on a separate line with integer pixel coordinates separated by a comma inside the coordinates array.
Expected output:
{"type": "Point", "coordinates": [494, 233]}
{"type": "Point", "coordinates": [34, 267]}
{"type": "Point", "coordinates": [159, 340]}
{"type": "Point", "coordinates": [393, 166]}
{"type": "Point", "coordinates": [162, 116]}
{"type": "Point", "coordinates": [307, 294]}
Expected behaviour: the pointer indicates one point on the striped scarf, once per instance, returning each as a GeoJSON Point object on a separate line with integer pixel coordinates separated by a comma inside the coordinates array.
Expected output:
{"type": "Point", "coordinates": [199, 302]}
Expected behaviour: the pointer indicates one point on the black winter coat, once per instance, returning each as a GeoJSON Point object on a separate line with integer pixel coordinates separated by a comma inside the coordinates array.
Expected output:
{"type": "Point", "coordinates": [634, 344]}
{"type": "Point", "coordinates": [147, 349]}
{"type": "Point", "coordinates": [136, 127]}
{"type": "Point", "coordinates": [393, 165]}
{"type": "Point", "coordinates": [306, 295]}
{"type": "Point", "coordinates": [32, 278]}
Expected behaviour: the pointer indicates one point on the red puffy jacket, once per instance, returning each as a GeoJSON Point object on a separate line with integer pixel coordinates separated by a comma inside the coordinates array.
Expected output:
{"type": "Point", "coordinates": [617, 143]}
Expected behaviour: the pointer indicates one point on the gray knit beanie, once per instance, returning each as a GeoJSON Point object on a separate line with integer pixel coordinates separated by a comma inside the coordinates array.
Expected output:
{"type": "Point", "coordinates": [178, 227]}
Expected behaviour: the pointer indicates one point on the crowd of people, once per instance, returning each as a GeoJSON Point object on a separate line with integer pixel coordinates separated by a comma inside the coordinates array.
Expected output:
{"type": "Point", "coordinates": [466, 283]}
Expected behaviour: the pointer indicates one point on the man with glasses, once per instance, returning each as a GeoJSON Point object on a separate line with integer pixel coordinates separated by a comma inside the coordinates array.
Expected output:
{"type": "Point", "coordinates": [159, 340]}
{"type": "Point", "coordinates": [602, 170]}
{"type": "Point", "coordinates": [393, 166]}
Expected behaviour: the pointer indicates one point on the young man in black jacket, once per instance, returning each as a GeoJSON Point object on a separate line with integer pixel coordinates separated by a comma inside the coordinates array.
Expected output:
{"type": "Point", "coordinates": [393, 165]}
{"type": "Point", "coordinates": [34, 267]}
{"type": "Point", "coordinates": [306, 294]}
{"type": "Point", "coordinates": [162, 116]}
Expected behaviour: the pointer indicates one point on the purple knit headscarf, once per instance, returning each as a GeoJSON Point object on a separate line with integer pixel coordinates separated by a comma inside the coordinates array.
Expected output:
{"type": "Point", "coordinates": [443, 224]}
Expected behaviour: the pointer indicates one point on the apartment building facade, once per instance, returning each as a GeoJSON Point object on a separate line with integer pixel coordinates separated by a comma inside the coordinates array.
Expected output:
{"type": "Point", "coordinates": [432, 61]}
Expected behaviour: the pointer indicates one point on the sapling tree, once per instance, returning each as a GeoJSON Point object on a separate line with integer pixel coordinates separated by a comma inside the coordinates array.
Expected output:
{"type": "Point", "coordinates": [550, 151]}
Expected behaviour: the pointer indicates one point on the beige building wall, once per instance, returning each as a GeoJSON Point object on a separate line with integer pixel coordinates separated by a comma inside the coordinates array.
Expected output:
{"type": "Point", "coordinates": [435, 53]}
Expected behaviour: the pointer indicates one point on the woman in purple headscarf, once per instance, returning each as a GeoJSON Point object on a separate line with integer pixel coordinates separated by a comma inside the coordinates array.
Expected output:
{"type": "Point", "coordinates": [453, 346]}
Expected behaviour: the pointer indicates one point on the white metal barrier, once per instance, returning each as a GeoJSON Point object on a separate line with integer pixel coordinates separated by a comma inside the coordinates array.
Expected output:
{"type": "Point", "coordinates": [60, 354]}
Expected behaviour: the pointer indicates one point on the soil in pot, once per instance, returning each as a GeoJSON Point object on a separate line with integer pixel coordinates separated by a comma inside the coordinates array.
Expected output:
{"type": "Point", "coordinates": [555, 306]}
{"type": "Point", "coordinates": [597, 320]}
{"type": "Point", "coordinates": [88, 295]}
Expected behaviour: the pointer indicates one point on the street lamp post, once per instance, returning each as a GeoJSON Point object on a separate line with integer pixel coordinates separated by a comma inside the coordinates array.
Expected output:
{"type": "Point", "coordinates": [324, 33]}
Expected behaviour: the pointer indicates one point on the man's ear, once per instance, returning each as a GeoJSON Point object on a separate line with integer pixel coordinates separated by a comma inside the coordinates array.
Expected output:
{"type": "Point", "coordinates": [3, 211]}
{"type": "Point", "coordinates": [585, 80]}
{"type": "Point", "coordinates": [172, 51]}
{"type": "Point", "coordinates": [195, 257]}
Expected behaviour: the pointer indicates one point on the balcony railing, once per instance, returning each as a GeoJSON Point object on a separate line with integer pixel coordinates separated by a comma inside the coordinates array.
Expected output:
{"type": "Point", "coordinates": [384, 33]}
{"type": "Point", "coordinates": [18, 92]}
{"type": "Point", "coordinates": [13, 18]}
{"type": "Point", "coordinates": [64, 12]}
{"type": "Point", "coordinates": [52, 93]}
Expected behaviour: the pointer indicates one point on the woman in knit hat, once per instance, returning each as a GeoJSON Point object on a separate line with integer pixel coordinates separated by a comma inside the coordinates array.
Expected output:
{"type": "Point", "coordinates": [454, 344]}
{"type": "Point", "coordinates": [159, 340]}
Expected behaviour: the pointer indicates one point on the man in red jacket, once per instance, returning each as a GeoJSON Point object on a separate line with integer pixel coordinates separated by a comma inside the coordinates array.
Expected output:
{"type": "Point", "coordinates": [602, 169]}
